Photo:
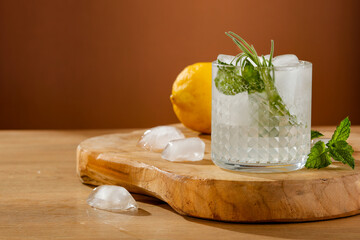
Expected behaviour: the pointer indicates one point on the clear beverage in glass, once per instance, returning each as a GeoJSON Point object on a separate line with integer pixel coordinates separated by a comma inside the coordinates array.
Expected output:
{"type": "Point", "coordinates": [264, 131]}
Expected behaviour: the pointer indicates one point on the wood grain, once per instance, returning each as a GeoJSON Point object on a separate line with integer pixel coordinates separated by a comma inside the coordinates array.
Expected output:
{"type": "Point", "coordinates": [42, 198]}
{"type": "Point", "coordinates": [203, 190]}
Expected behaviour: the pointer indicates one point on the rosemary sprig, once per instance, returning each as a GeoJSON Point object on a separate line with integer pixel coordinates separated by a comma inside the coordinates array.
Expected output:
{"type": "Point", "coordinates": [266, 73]}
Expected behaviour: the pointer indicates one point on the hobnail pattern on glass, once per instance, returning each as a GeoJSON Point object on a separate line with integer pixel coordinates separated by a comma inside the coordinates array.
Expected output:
{"type": "Point", "coordinates": [260, 137]}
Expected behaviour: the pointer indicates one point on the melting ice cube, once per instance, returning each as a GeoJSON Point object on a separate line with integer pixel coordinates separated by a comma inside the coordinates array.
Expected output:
{"type": "Point", "coordinates": [230, 59]}
{"type": "Point", "coordinates": [226, 58]}
{"type": "Point", "coordinates": [156, 139]}
{"type": "Point", "coordinates": [189, 149]}
{"type": "Point", "coordinates": [112, 198]}
{"type": "Point", "coordinates": [285, 60]}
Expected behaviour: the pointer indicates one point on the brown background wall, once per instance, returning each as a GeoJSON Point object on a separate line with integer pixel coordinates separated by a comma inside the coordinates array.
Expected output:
{"type": "Point", "coordinates": [105, 64]}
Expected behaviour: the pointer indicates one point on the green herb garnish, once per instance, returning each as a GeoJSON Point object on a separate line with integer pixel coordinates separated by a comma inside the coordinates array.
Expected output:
{"type": "Point", "coordinates": [337, 148]}
{"type": "Point", "coordinates": [318, 156]}
{"type": "Point", "coordinates": [229, 81]}
{"type": "Point", "coordinates": [253, 79]}
{"type": "Point", "coordinates": [316, 134]}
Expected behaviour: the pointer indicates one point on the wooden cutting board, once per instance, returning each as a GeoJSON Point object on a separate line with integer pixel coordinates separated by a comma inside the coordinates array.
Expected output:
{"type": "Point", "coordinates": [203, 190]}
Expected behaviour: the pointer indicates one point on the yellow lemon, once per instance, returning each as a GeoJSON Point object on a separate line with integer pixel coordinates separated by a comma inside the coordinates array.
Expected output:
{"type": "Point", "coordinates": [191, 97]}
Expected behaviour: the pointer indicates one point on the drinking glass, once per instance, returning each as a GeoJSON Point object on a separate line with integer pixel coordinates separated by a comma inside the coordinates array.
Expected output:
{"type": "Point", "coordinates": [263, 130]}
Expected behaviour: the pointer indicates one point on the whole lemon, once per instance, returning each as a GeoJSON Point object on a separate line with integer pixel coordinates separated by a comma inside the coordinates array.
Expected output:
{"type": "Point", "coordinates": [191, 97]}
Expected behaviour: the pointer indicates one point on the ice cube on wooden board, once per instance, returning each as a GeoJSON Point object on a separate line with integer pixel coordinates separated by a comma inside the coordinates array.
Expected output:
{"type": "Point", "coordinates": [199, 179]}
{"type": "Point", "coordinates": [156, 139]}
{"type": "Point", "coordinates": [189, 149]}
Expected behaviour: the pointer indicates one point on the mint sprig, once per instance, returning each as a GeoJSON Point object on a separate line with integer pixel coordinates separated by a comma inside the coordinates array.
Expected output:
{"type": "Point", "coordinates": [230, 81]}
{"type": "Point", "coordinates": [337, 148]}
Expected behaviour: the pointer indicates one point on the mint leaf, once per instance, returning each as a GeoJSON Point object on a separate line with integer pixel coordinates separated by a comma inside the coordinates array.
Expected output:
{"type": "Point", "coordinates": [337, 148]}
{"type": "Point", "coordinates": [342, 151]}
{"type": "Point", "coordinates": [342, 132]}
{"type": "Point", "coordinates": [316, 134]}
{"type": "Point", "coordinates": [342, 144]}
{"type": "Point", "coordinates": [318, 156]}
{"type": "Point", "coordinates": [228, 81]}
{"type": "Point", "coordinates": [252, 78]}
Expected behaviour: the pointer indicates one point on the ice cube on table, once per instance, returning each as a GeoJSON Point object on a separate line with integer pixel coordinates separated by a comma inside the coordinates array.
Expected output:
{"type": "Point", "coordinates": [156, 139]}
{"type": "Point", "coordinates": [112, 198]}
{"type": "Point", "coordinates": [285, 60]}
{"type": "Point", "coordinates": [189, 149]}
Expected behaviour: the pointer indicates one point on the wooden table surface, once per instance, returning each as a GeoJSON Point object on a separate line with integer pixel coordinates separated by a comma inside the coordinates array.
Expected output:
{"type": "Point", "coordinates": [42, 198]}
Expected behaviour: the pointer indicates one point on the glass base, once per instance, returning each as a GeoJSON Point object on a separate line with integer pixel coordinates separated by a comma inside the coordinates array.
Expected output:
{"type": "Point", "coordinates": [261, 168]}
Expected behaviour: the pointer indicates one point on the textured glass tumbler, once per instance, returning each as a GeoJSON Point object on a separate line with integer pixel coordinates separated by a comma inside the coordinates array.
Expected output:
{"type": "Point", "coordinates": [261, 123]}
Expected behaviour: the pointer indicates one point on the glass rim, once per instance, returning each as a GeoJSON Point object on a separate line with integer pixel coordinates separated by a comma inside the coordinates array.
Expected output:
{"type": "Point", "coordinates": [303, 64]}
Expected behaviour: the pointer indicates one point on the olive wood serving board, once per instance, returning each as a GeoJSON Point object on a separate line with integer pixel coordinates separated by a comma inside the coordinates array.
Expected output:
{"type": "Point", "coordinates": [201, 189]}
